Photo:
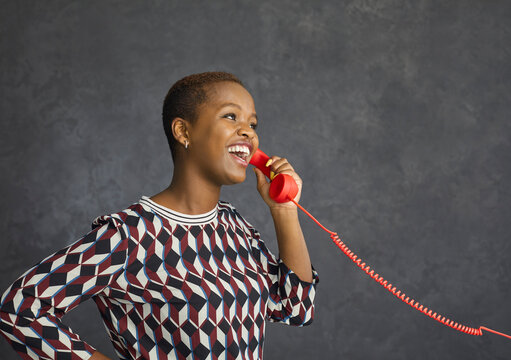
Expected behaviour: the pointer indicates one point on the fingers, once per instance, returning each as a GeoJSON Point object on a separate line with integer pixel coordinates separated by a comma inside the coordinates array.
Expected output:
{"type": "Point", "coordinates": [280, 165]}
{"type": "Point", "coordinates": [261, 179]}
{"type": "Point", "coordinates": [277, 166]}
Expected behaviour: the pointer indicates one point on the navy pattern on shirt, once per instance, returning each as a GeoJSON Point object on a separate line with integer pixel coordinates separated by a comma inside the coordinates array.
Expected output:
{"type": "Point", "coordinates": [167, 285]}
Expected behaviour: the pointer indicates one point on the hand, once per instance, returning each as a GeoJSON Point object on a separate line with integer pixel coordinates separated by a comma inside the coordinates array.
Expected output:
{"type": "Point", "coordinates": [278, 166]}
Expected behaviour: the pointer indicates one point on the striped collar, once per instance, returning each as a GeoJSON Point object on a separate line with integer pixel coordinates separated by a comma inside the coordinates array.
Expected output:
{"type": "Point", "coordinates": [178, 217]}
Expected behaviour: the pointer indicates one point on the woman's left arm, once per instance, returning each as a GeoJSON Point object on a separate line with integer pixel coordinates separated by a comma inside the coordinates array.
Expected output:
{"type": "Point", "coordinates": [291, 242]}
{"type": "Point", "coordinates": [292, 247]}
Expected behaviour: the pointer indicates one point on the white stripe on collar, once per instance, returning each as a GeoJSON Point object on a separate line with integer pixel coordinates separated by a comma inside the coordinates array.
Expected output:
{"type": "Point", "coordinates": [178, 217]}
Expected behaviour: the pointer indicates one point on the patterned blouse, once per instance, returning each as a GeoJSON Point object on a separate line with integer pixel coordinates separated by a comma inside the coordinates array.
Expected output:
{"type": "Point", "coordinates": [168, 286]}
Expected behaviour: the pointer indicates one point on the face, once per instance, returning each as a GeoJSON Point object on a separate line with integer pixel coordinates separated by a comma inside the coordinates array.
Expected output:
{"type": "Point", "coordinates": [223, 138]}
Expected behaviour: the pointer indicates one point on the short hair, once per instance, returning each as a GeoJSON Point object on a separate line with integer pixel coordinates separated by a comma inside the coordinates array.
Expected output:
{"type": "Point", "coordinates": [185, 97]}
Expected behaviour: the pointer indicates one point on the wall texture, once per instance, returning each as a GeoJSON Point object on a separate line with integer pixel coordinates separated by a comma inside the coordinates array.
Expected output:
{"type": "Point", "coordinates": [395, 113]}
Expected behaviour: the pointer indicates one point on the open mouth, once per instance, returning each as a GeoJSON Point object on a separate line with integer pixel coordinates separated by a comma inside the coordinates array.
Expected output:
{"type": "Point", "coordinates": [240, 153]}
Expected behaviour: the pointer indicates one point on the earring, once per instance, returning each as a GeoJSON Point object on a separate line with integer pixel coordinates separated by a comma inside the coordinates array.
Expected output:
{"type": "Point", "coordinates": [186, 144]}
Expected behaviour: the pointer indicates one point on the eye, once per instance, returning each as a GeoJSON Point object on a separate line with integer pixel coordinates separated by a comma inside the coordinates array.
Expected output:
{"type": "Point", "coordinates": [230, 116]}
{"type": "Point", "coordinates": [253, 126]}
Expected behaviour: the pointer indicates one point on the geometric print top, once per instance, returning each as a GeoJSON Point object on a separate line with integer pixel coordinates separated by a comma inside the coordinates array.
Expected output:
{"type": "Point", "coordinates": [168, 286]}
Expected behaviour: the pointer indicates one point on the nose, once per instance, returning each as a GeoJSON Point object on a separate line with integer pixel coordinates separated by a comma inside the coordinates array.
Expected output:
{"type": "Point", "coordinates": [246, 130]}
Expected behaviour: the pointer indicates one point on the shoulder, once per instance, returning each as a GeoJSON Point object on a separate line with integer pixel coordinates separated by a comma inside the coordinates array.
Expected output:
{"type": "Point", "coordinates": [225, 208]}
{"type": "Point", "coordinates": [228, 213]}
{"type": "Point", "coordinates": [130, 216]}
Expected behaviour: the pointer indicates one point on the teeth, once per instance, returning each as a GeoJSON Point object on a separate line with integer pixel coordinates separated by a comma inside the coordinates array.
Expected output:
{"type": "Point", "coordinates": [239, 149]}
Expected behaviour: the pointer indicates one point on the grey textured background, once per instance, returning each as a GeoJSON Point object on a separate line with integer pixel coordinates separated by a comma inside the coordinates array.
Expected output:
{"type": "Point", "coordinates": [395, 113]}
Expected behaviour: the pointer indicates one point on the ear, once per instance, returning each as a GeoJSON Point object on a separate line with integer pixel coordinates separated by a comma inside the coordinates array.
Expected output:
{"type": "Point", "coordinates": [180, 129]}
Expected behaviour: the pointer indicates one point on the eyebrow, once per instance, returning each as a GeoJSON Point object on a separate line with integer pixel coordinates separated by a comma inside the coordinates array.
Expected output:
{"type": "Point", "coordinates": [239, 107]}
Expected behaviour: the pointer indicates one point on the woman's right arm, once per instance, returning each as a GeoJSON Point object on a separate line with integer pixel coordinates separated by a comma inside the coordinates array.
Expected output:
{"type": "Point", "coordinates": [32, 308]}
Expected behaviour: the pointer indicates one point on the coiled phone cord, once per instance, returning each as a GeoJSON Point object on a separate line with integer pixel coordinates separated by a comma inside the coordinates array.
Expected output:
{"type": "Point", "coordinates": [398, 293]}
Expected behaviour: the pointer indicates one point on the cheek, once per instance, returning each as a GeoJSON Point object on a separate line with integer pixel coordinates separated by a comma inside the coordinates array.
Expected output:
{"type": "Point", "coordinates": [222, 134]}
{"type": "Point", "coordinates": [217, 139]}
{"type": "Point", "coordinates": [256, 141]}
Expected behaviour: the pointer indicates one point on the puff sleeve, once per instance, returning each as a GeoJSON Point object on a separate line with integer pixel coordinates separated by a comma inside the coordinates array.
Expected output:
{"type": "Point", "coordinates": [32, 307]}
{"type": "Point", "coordinates": [291, 299]}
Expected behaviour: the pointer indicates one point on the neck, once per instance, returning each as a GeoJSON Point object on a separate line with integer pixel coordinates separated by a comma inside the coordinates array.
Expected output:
{"type": "Point", "coordinates": [188, 193]}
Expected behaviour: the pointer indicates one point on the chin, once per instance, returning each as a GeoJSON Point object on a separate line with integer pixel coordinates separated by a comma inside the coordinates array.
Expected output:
{"type": "Point", "coordinates": [237, 179]}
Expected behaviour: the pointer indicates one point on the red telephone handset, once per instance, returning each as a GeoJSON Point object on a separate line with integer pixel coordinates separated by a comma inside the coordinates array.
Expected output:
{"type": "Point", "coordinates": [283, 187]}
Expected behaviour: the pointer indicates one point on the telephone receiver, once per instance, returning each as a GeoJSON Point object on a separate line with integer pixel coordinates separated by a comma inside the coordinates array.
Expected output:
{"type": "Point", "coordinates": [283, 187]}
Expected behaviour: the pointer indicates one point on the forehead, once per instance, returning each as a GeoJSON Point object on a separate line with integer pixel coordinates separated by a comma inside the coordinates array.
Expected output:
{"type": "Point", "coordinates": [229, 92]}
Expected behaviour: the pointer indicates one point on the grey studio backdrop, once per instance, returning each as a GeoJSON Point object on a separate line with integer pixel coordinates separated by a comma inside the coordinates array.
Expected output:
{"type": "Point", "coordinates": [395, 113]}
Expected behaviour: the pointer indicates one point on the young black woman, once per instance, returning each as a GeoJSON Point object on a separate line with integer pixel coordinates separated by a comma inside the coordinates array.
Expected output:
{"type": "Point", "coordinates": [181, 274]}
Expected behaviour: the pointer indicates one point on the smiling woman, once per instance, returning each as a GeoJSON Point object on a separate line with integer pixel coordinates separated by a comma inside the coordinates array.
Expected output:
{"type": "Point", "coordinates": [180, 274]}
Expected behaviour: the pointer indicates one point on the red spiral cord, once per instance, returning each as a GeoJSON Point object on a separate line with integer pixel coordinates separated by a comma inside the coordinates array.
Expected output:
{"type": "Point", "coordinates": [400, 295]}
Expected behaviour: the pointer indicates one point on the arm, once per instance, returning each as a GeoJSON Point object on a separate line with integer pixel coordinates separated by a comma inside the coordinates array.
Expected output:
{"type": "Point", "coordinates": [292, 247]}
{"type": "Point", "coordinates": [291, 300]}
{"type": "Point", "coordinates": [291, 279]}
{"type": "Point", "coordinates": [32, 308]}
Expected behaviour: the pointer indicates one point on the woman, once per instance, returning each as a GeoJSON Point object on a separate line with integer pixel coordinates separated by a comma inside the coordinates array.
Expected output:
{"type": "Point", "coordinates": [180, 274]}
